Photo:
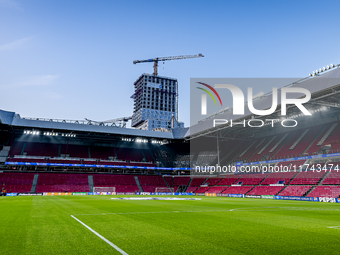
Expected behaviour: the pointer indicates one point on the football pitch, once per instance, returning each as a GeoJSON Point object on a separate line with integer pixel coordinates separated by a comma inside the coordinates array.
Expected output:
{"type": "Point", "coordinates": [212, 225]}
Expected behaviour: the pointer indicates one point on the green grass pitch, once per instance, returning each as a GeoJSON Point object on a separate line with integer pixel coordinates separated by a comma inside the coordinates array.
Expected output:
{"type": "Point", "coordinates": [213, 225]}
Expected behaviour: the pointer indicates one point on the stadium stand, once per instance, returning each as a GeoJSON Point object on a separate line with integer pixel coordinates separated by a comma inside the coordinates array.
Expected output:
{"type": "Point", "coordinates": [16, 182]}
{"type": "Point", "coordinates": [334, 140]}
{"type": "Point", "coordinates": [202, 189]}
{"type": "Point", "coordinates": [122, 183]}
{"type": "Point", "coordinates": [266, 190]}
{"type": "Point", "coordinates": [316, 145]}
{"type": "Point", "coordinates": [191, 189]}
{"type": "Point", "coordinates": [150, 183]}
{"type": "Point", "coordinates": [217, 189]}
{"type": "Point", "coordinates": [113, 163]}
{"type": "Point", "coordinates": [307, 177]}
{"type": "Point", "coordinates": [237, 190]}
{"type": "Point", "coordinates": [212, 181]}
{"type": "Point", "coordinates": [180, 181]}
{"type": "Point", "coordinates": [279, 178]}
{"type": "Point", "coordinates": [64, 160]}
{"type": "Point", "coordinates": [195, 184]}
{"type": "Point", "coordinates": [274, 184]}
{"type": "Point", "coordinates": [265, 147]}
{"type": "Point", "coordinates": [53, 182]}
{"type": "Point", "coordinates": [332, 178]}
{"type": "Point", "coordinates": [228, 180]}
{"type": "Point", "coordinates": [34, 159]}
{"type": "Point", "coordinates": [295, 191]}
{"type": "Point", "coordinates": [251, 179]}
{"type": "Point", "coordinates": [75, 154]}
{"type": "Point", "coordinates": [325, 191]}
{"type": "Point", "coordinates": [101, 152]}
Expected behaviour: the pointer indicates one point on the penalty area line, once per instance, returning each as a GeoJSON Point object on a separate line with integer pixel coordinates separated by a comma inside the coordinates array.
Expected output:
{"type": "Point", "coordinates": [101, 237]}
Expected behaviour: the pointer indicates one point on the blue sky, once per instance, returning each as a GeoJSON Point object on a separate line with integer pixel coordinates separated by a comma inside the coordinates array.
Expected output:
{"type": "Point", "coordinates": [73, 59]}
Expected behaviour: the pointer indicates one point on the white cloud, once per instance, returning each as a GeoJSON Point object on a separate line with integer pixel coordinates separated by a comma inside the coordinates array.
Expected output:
{"type": "Point", "coordinates": [39, 80]}
{"type": "Point", "coordinates": [14, 45]}
{"type": "Point", "coordinates": [11, 4]}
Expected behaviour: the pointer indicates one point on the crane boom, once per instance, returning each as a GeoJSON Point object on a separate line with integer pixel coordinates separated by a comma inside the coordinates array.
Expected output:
{"type": "Point", "coordinates": [155, 60]}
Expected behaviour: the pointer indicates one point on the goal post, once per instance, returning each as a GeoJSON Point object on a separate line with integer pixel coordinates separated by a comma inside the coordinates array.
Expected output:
{"type": "Point", "coordinates": [164, 190]}
{"type": "Point", "coordinates": [104, 189]}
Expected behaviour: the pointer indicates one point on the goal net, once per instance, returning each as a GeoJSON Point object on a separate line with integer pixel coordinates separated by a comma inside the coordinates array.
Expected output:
{"type": "Point", "coordinates": [163, 190]}
{"type": "Point", "coordinates": [104, 189]}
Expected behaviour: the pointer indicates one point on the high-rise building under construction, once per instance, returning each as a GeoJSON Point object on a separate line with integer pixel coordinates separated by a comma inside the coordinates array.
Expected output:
{"type": "Point", "coordinates": [155, 102]}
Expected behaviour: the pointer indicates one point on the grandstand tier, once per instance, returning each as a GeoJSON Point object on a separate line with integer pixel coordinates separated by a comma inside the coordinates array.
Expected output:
{"type": "Point", "coordinates": [67, 182]}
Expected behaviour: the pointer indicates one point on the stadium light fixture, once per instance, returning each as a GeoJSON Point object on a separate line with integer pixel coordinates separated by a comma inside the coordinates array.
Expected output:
{"type": "Point", "coordinates": [157, 142]}
{"type": "Point", "coordinates": [322, 70]}
{"type": "Point", "coordinates": [140, 140]}
{"type": "Point", "coordinates": [31, 132]}
{"type": "Point", "coordinates": [48, 133]}
{"type": "Point", "coordinates": [127, 139]}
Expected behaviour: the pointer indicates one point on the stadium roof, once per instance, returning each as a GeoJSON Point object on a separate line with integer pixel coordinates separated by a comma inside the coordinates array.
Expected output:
{"type": "Point", "coordinates": [13, 119]}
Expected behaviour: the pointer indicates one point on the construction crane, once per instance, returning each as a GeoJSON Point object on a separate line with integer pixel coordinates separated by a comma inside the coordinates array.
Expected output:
{"type": "Point", "coordinates": [119, 122]}
{"type": "Point", "coordinates": [155, 60]}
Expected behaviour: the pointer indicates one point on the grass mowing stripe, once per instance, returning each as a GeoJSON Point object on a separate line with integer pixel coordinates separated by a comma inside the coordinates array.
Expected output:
{"type": "Point", "coordinates": [153, 212]}
{"type": "Point", "coordinates": [260, 209]}
{"type": "Point", "coordinates": [101, 237]}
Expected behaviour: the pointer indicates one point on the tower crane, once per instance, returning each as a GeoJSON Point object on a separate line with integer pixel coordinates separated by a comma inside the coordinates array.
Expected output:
{"type": "Point", "coordinates": [155, 60]}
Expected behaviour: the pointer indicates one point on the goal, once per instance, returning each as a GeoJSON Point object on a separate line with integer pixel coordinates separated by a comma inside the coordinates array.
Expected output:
{"type": "Point", "coordinates": [104, 189]}
{"type": "Point", "coordinates": [163, 190]}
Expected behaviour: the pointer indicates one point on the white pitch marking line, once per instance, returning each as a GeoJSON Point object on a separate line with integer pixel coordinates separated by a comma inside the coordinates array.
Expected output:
{"type": "Point", "coordinates": [101, 237]}
{"type": "Point", "coordinates": [336, 227]}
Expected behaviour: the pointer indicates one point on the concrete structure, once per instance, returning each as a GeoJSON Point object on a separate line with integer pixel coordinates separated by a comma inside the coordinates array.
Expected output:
{"type": "Point", "coordinates": [155, 102]}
